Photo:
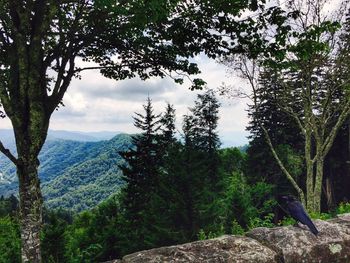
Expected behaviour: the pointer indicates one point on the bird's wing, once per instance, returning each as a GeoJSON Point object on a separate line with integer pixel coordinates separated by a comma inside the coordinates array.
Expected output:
{"type": "Point", "coordinates": [297, 211]}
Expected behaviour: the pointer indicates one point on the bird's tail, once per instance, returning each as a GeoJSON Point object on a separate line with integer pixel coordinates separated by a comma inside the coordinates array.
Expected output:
{"type": "Point", "coordinates": [312, 228]}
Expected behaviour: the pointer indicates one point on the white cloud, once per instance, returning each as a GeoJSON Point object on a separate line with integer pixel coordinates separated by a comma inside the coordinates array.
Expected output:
{"type": "Point", "coordinates": [95, 103]}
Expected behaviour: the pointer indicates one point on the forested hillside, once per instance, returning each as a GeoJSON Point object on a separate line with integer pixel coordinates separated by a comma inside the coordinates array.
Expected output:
{"type": "Point", "coordinates": [74, 174]}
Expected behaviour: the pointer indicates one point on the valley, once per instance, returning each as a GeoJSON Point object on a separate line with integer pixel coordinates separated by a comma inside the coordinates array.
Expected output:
{"type": "Point", "coordinates": [75, 175]}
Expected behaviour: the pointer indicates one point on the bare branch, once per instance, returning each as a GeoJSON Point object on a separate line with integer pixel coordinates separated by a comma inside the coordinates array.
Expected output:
{"type": "Point", "coordinates": [78, 70]}
{"type": "Point", "coordinates": [281, 165]}
{"type": "Point", "coordinates": [61, 85]}
{"type": "Point", "coordinates": [8, 154]}
{"type": "Point", "coordinates": [295, 116]}
{"type": "Point", "coordinates": [331, 137]}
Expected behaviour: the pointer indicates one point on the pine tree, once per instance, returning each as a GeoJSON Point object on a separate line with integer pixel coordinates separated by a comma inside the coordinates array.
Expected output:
{"type": "Point", "coordinates": [166, 203]}
{"type": "Point", "coordinates": [142, 177]}
{"type": "Point", "coordinates": [205, 136]}
{"type": "Point", "coordinates": [201, 162]}
{"type": "Point", "coordinates": [168, 124]}
{"type": "Point", "coordinates": [206, 112]}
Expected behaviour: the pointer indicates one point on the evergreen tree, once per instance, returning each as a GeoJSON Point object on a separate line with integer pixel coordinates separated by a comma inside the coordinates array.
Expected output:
{"type": "Point", "coordinates": [52, 237]}
{"type": "Point", "coordinates": [204, 124]}
{"type": "Point", "coordinates": [168, 124]}
{"type": "Point", "coordinates": [165, 205]}
{"type": "Point", "coordinates": [206, 112]}
{"type": "Point", "coordinates": [193, 172]}
{"type": "Point", "coordinates": [201, 162]}
{"type": "Point", "coordinates": [283, 131]}
{"type": "Point", "coordinates": [141, 175]}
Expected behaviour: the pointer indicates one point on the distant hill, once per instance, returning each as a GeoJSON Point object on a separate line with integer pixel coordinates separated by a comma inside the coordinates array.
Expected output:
{"type": "Point", "coordinates": [243, 148]}
{"type": "Point", "coordinates": [77, 169]}
{"type": "Point", "coordinates": [74, 174]}
{"type": "Point", "coordinates": [234, 138]}
{"type": "Point", "coordinates": [6, 135]}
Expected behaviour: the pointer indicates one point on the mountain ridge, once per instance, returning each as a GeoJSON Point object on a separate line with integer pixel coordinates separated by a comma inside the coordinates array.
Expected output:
{"type": "Point", "coordinates": [8, 135]}
{"type": "Point", "coordinates": [73, 174]}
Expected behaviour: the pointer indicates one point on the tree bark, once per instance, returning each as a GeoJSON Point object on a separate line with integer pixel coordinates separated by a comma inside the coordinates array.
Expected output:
{"type": "Point", "coordinates": [318, 185]}
{"type": "Point", "coordinates": [281, 165]}
{"type": "Point", "coordinates": [30, 210]}
{"type": "Point", "coordinates": [329, 193]}
{"type": "Point", "coordinates": [310, 205]}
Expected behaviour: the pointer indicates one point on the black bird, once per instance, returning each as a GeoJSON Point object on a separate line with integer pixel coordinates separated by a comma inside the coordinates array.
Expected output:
{"type": "Point", "coordinates": [297, 211]}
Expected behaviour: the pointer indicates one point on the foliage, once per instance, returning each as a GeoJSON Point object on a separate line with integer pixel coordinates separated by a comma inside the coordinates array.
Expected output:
{"type": "Point", "coordinates": [203, 236]}
{"type": "Point", "coordinates": [236, 228]}
{"type": "Point", "coordinates": [174, 203]}
{"type": "Point", "coordinates": [249, 205]}
{"type": "Point", "coordinates": [42, 40]}
{"type": "Point", "coordinates": [283, 132]}
{"type": "Point", "coordinates": [265, 222]}
{"type": "Point", "coordinates": [232, 159]}
{"type": "Point", "coordinates": [8, 206]}
{"type": "Point", "coordinates": [9, 240]}
{"type": "Point", "coordinates": [322, 216]}
{"type": "Point", "coordinates": [343, 208]}
{"type": "Point", "coordinates": [78, 175]}
{"type": "Point", "coordinates": [173, 191]}
{"type": "Point", "coordinates": [287, 221]}
{"type": "Point", "coordinates": [300, 97]}
{"type": "Point", "coordinates": [142, 177]}
{"type": "Point", "coordinates": [93, 236]}
{"type": "Point", "coordinates": [53, 235]}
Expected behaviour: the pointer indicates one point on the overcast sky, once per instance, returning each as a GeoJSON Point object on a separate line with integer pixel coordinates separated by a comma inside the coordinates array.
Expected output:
{"type": "Point", "coordinates": [95, 103]}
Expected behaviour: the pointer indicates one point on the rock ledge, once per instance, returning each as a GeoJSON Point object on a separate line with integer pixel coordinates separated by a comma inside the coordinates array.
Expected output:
{"type": "Point", "coordinates": [280, 244]}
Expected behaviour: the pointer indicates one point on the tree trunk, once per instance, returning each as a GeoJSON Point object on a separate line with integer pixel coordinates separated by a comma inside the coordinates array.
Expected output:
{"type": "Point", "coordinates": [30, 210]}
{"type": "Point", "coordinates": [310, 205]}
{"type": "Point", "coordinates": [329, 193]}
{"type": "Point", "coordinates": [318, 185]}
{"type": "Point", "coordinates": [310, 194]}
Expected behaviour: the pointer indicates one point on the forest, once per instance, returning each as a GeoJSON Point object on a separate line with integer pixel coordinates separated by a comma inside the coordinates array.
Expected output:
{"type": "Point", "coordinates": [292, 60]}
{"type": "Point", "coordinates": [75, 175]}
{"type": "Point", "coordinates": [179, 189]}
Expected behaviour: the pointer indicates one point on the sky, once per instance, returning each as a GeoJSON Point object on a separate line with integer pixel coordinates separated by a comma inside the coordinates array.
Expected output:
{"type": "Point", "coordinates": [96, 103]}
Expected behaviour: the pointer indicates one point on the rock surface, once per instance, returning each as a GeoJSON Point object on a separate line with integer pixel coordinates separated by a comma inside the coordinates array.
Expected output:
{"type": "Point", "coordinates": [224, 249]}
{"type": "Point", "coordinates": [295, 244]}
{"type": "Point", "coordinates": [280, 244]}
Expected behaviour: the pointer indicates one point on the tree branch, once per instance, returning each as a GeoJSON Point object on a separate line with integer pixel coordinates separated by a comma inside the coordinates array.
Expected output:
{"type": "Point", "coordinates": [331, 137]}
{"type": "Point", "coordinates": [250, 74]}
{"type": "Point", "coordinates": [5, 100]}
{"type": "Point", "coordinates": [295, 116]}
{"type": "Point", "coordinates": [8, 154]}
{"type": "Point", "coordinates": [62, 85]}
{"type": "Point", "coordinates": [78, 70]}
{"type": "Point", "coordinates": [281, 165]}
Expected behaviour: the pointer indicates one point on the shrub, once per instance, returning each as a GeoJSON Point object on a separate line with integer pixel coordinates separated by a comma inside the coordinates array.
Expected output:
{"type": "Point", "coordinates": [343, 208]}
